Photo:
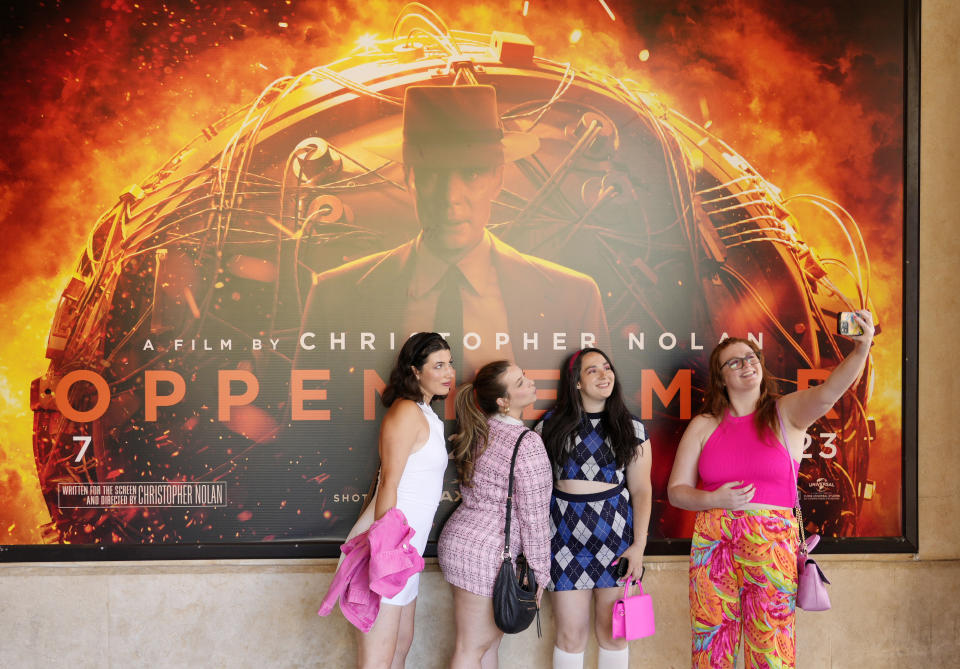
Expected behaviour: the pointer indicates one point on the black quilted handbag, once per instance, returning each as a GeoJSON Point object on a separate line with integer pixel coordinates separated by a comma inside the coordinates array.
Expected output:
{"type": "Point", "coordinates": [515, 590]}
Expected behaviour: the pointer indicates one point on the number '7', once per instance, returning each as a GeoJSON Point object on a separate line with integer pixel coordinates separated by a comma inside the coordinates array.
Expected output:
{"type": "Point", "coordinates": [86, 442]}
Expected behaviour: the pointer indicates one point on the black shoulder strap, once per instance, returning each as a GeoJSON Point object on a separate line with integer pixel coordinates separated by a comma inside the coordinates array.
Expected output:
{"type": "Point", "coordinates": [513, 462]}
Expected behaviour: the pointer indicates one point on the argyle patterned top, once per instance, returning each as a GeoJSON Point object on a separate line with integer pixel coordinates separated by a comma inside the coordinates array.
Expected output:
{"type": "Point", "coordinates": [590, 457]}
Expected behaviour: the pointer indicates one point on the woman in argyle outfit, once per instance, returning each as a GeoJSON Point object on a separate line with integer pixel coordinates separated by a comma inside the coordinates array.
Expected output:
{"type": "Point", "coordinates": [600, 507]}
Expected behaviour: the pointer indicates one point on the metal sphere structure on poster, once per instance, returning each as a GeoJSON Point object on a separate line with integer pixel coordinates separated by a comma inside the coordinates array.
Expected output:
{"type": "Point", "coordinates": [182, 323]}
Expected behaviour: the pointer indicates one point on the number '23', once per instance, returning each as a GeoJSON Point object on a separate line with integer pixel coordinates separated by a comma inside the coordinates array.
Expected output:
{"type": "Point", "coordinates": [828, 449]}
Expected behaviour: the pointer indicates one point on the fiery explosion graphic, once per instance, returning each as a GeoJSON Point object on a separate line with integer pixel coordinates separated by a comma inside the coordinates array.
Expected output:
{"type": "Point", "coordinates": [804, 94]}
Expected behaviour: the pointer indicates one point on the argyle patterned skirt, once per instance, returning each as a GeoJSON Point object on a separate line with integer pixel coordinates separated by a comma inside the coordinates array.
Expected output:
{"type": "Point", "coordinates": [589, 532]}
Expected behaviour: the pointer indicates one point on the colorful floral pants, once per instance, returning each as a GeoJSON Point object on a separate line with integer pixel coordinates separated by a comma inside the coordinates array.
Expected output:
{"type": "Point", "coordinates": [743, 574]}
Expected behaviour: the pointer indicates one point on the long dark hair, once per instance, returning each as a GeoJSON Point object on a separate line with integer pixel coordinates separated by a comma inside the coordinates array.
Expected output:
{"type": "Point", "coordinates": [560, 430]}
{"type": "Point", "coordinates": [403, 382]}
{"type": "Point", "coordinates": [715, 398]}
{"type": "Point", "coordinates": [475, 403]}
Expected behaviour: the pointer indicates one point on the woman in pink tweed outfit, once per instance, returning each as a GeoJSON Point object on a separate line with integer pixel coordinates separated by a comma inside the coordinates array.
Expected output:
{"type": "Point", "coordinates": [471, 544]}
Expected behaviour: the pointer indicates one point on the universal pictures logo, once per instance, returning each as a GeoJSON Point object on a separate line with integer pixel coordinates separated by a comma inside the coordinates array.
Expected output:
{"type": "Point", "coordinates": [822, 484]}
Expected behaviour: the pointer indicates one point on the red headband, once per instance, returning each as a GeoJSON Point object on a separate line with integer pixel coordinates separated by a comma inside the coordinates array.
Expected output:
{"type": "Point", "coordinates": [573, 359]}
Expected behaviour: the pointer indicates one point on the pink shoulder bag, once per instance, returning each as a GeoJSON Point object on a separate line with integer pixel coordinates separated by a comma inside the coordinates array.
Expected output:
{"type": "Point", "coordinates": [812, 592]}
{"type": "Point", "coordinates": [633, 615]}
{"type": "Point", "coordinates": [811, 583]}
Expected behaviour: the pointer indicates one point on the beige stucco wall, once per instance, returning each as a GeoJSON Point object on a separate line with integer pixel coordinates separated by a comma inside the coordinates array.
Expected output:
{"type": "Point", "coordinates": [901, 611]}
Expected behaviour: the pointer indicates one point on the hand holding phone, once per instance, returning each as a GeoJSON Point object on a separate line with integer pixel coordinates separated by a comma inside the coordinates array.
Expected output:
{"type": "Point", "coordinates": [848, 325]}
{"type": "Point", "coordinates": [623, 566]}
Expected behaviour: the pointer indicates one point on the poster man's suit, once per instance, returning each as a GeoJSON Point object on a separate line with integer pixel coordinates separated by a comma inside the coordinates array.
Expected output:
{"type": "Point", "coordinates": [553, 306]}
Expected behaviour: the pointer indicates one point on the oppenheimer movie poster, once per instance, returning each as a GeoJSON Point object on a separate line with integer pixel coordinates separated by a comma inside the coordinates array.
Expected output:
{"type": "Point", "coordinates": [210, 256]}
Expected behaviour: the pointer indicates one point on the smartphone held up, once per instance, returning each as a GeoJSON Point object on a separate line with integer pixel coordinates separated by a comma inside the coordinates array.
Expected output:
{"type": "Point", "coordinates": [847, 324]}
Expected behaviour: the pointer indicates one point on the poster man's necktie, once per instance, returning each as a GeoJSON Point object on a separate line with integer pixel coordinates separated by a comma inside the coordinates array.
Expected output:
{"type": "Point", "coordinates": [449, 316]}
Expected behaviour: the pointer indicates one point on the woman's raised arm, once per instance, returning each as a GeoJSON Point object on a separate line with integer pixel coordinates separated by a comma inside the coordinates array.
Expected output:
{"type": "Point", "coordinates": [803, 407]}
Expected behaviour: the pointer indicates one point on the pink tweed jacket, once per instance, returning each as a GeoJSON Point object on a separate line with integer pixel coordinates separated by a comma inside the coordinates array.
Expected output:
{"type": "Point", "coordinates": [471, 543]}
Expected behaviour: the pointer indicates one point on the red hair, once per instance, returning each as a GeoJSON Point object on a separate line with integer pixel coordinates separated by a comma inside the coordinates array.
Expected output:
{"type": "Point", "coordinates": [716, 402]}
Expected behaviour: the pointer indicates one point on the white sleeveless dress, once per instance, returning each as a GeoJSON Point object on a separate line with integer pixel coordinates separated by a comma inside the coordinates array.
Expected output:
{"type": "Point", "coordinates": [418, 495]}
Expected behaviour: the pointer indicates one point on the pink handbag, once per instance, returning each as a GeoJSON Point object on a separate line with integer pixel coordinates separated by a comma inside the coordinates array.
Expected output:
{"type": "Point", "coordinates": [633, 615]}
{"type": "Point", "coordinates": [811, 583]}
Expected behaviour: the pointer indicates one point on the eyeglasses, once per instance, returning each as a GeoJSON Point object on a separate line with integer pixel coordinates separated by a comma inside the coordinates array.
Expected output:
{"type": "Point", "coordinates": [737, 363]}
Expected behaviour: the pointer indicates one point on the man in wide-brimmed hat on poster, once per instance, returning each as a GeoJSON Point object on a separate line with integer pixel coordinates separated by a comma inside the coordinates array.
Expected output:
{"type": "Point", "coordinates": [455, 277]}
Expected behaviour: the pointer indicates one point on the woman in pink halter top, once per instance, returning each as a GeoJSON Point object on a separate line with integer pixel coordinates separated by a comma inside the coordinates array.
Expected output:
{"type": "Point", "coordinates": [744, 450]}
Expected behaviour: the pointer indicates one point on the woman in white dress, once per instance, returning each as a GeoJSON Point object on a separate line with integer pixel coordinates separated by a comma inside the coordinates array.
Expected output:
{"type": "Point", "coordinates": [413, 458]}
